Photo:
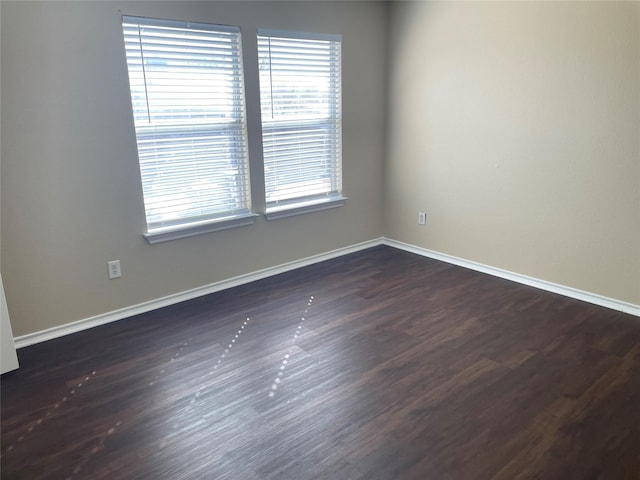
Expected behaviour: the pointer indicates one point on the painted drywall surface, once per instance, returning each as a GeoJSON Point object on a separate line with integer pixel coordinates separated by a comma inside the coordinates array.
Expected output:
{"type": "Point", "coordinates": [516, 127]}
{"type": "Point", "coordinates": [71, 197]}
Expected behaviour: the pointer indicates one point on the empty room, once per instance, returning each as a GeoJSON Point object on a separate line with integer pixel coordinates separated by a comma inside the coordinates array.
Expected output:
{"type": "Point", "coordinates": [256, 240]}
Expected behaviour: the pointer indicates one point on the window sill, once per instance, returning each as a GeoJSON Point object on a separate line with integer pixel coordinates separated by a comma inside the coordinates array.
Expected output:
{"type": "Point", "coordinates": [300, 208]}
{"type": "Point", "coordinates": [189, 230]}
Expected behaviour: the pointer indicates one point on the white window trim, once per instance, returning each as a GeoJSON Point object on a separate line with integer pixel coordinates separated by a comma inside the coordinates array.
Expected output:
{"type": "Point", "coordinates": [167, 234]}
{"type": "Point", "coordinates": [300, 208]}
{"type": "Point", "coordinates": [265, 32]}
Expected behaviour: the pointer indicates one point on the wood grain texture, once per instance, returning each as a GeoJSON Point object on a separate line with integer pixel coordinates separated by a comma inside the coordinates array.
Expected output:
{"type": "Point", "coordinates": [376, 365]}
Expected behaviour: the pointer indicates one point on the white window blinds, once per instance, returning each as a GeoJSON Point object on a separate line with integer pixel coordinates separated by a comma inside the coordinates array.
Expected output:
{"type": "Point", "coordinates": [187, 93]}
{"type": "Point", "coordinates": [300, 98]}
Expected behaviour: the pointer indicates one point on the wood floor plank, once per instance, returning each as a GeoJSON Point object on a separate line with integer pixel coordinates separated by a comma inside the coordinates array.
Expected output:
{"type": "Point", "coordinates": [376, 365]}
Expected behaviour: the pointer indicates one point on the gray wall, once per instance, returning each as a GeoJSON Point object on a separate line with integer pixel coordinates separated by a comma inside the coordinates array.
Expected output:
{"type": "Point", "coordinates": [516, 127]}
{"type": "Point", "coordinates": [71, 194]}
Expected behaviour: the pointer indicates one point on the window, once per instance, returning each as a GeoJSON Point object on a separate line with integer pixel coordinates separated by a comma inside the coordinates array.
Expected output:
{"type": "Point", "coordinates": [300, 99]}
{"type": "Point", "coordinates": [187, 93]}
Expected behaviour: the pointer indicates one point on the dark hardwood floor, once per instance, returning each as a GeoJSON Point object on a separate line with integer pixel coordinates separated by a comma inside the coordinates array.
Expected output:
{"type": "Point", "coordinates": [377, 365]}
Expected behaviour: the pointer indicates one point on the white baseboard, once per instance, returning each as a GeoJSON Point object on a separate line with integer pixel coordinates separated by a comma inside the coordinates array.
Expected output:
{"type": "Point", "coordinates": [84, 324]}
{"type": "Point", "coordinates": [104, 318]}
{"type": "Point", "coordinates": [524, 279]}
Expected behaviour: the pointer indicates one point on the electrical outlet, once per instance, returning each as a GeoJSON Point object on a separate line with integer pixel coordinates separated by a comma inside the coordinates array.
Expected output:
{"type": "Point", "coordinates": [114, 269]}
{"type": "Point", "coordinates": [422, 218]}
